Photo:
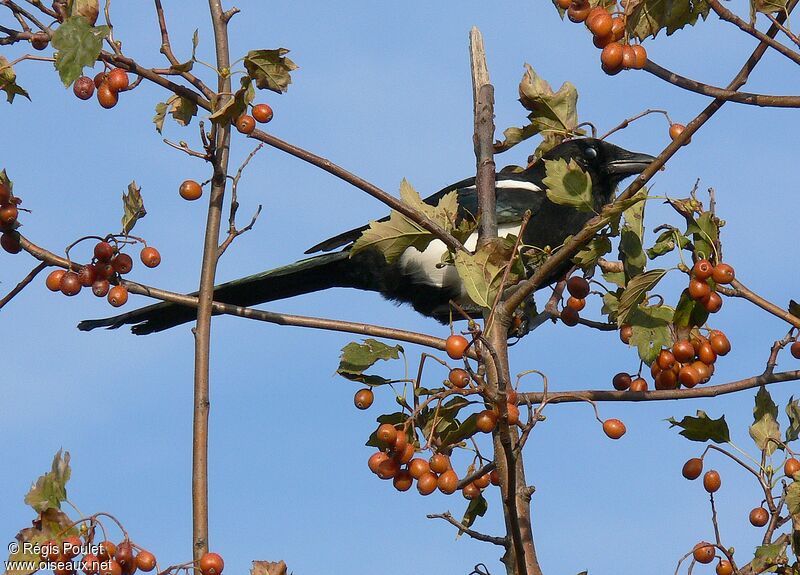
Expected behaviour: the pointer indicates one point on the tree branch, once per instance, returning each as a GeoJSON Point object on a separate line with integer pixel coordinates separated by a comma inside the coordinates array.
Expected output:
{"type": "Point", "coordinates": [501, 541]}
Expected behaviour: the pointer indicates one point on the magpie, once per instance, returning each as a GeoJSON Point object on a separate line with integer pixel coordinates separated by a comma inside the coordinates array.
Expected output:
{"type": "Point", "coordinates": [418, 277]}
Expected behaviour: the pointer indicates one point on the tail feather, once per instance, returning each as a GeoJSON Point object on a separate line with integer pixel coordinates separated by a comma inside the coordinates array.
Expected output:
{"type": "Point", "coordinates": [305, 276]}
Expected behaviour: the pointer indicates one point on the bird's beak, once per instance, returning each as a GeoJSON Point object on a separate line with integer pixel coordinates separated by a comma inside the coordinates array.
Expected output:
{"type": "Point", "coordinates": [628, 163]}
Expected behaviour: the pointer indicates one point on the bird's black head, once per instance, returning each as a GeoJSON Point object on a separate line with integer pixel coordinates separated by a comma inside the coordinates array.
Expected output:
{"type": "Point", "coordinates": [606, 163]}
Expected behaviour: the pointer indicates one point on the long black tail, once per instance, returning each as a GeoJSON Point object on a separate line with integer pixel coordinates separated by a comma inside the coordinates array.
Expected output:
{"type": "Point", "coordinates": [306, 276]}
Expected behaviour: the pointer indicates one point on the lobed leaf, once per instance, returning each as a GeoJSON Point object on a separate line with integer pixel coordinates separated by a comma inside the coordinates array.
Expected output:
{"type": "Point", "coordinates": [703, 428]}
{"type": "Point", "coordinates": [270, 69]}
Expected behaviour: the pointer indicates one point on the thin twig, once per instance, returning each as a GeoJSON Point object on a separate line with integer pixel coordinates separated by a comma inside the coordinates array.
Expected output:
{"type": "Point", "coordinates": [501, 541]}
{"type": "Point", "coordinates": [22, 284]}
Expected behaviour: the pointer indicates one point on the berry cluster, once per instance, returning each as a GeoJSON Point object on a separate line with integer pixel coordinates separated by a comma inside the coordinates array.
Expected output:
{"type": "Point", "coordinates": [578, 289]}
{"type": "Point", "coordinates": [704, 292]}
{"type": "Point", "coordinates": [608, 34]}
{"type": "Point", "coordinates": [397, 462]}
{"type": "Point", "coordinates": [108, 84]}
{"type": "Point", "coordinates": [9, 213]}
{"type": "Point", "coordinates": [106, 558]}
{"type": "Point", "coordinates": [687, 363]}
{"type": "Point", "coordinates": [245, 123]}
{"type": "Point", "coordinates": [106, 267]}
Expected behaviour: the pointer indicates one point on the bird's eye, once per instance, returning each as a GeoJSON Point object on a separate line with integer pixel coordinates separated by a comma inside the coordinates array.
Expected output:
{"type": "Point", "coordinates": [590, 153]}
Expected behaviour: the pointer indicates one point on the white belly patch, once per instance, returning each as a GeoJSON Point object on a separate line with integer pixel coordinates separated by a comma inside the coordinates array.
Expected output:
{"type": "Point", "coordinates": [426, 267]}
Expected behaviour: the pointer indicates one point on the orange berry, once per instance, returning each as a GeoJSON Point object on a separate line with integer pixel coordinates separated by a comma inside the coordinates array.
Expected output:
{"type": "Point", "coordinates": [723, 274]}
{"type": "Point", "coordinates": [246, 124]}
{"type": "Point", "coordinates": [791, 467]}
{"type": "Point", "coordinates": [795, 350]}
{"type": "Point", "coordinates": [639, 57]}
{"type": "Point", "coordinates": [712, 303]}
{"type": "Point", "coordinates": [387, 434]}
{"type": "Point", "coordinates": [190, 190]}
{"type": "Point", "coordinates": [375, 461]}
{"type": "Point", "coordinates": [724, 567]}
{"type": "Point", "coordinates": [719, 343]}
{"type": "Point", "coordinates": [576, 303]}
{"type": "Point", "coordinates": [211, 564]}
{"type": "Point", "coordinates": [638, 384]}
{"type": "Point", "coordinates": [712, 481]}
{"type": "Point", "coordinates": [107, 97]}
{"type": "Point", "coordinates": [487, 421]}
{"type": "Point", "coordinates": [471, 491]}
{"type": "Point", "coordinates": [403, 480]}
{"type": "Point", "coordinates": [692, 468]}
{"type": "Point", "coordinates": [118, 296]}
{"type": "Point", "coordinates": [363, 398]}
{"type": "Point", "coordinates": [53, 281]}
{"type": "Point", "coordinates": [599, 22]}
{"type": "Point", "coordinates": [759, 517]}
{"type": "Point", "coordinates": [427, 483]}
{"type": "Point", "coordinates": [150, 257]}
{"type": "Point", "coordinates": [458, 378]}
{"type": "Point", "coordinates": [611, 56]}
{"type": "Point", "coordinates": [614, 428]}
{"type": "Point", "coordinates": [683, 350]}
{"type": "Point", "coordinates": [439, 463]}
{"type": "Point", "coordinates": [570, 316]}
{"type": "Point", "coordinates": [262, 113]}
{"type": "Point", "coordinates": [418, 467]}
{"type": "Point", "coordinates": [448, 482]}
{"type": "Point", "coordinates": [704, 552]}
{"type": "Point", "coordinates": [676, 130]}
{"type": "Point", "coordinates": [625, 333]}
{"type": "Point", "coordinates": [702, 269]}
{"type": "Point", "coordinates": [145, 561]}
{"type": "Point", "coordinates": [455, 346]}
{"type": "Point", "coordinates": [117, 79]}
{"type": "Point", "coordinates": [513, 414]}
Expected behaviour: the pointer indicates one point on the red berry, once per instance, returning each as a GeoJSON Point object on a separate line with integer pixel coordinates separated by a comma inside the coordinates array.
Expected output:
{"type": "Point", "coordinates": [712, 303]}
{"type": "Point", "coordinates": [145, 561]}
{"type": "Point", "coordinates": [211, 564]}
{"type": "Point", "coordinates": [795, 350]}
{"type": "Point", "coordinates": [262, 113]}
{"type": "Point", "coordinates": [621, 381]}
{"type": "Point", "coordinates": [246, 124]}
{"type": "Point", "coordinates": [40, 40]}
{"type": "Point", "coordinates": [103, 252]}
{"type": "Point", "coordinates": [458, 378]}
{"type": "Point", "coordinates": [614, 428]}
{"type": "Point", "coordinates": [117, 79]}
{"type": "Point", "coordinates": [190, 190]}
{"type": "Point", "coordinates": [150, 257]}
{"type": "Point", "coordinates": [5, 193]}
{"type": "Point", "coordinates": [455, 346]}
{"type": "Point", "coordinates": [723, 274]}
{"type": "Point", "coordinates": [107, 97]}
{"type": "Point", "coordinates": [712, 481]}
{"type": "Point", "coordinates": [87, 274]}
{"type": "Point", "coordinates": [570, 316]}
{"type": "Point", "coordinates": [8, 215]}
{"type": "Point", "coordinates": [70, 284]}
{"type": "Point", "coordinates": [53, 281]}
{"type": "Point", "coordinates": [83, 87]}
{"type": "Point", "coordinates": [683, 350]}
{"type": "Point", "coordinates": [122, 263]}
{"type": "Point", "coordinates": [471, 491]}
{"type": "Point", "coordinates": [702, 270]}
{"type": "Point", "coordinates": [638, 384]}
{"type": "Point", "coordinates": [625, 333]}
{"type": "Point", "coordinates": [10, 242]}
{"type": "Point", "coordinates": [100, 288]}
{"type": "Point", "coordinates": [487, 421]}
{"type": "Point", "coordinates": [100, 78]}
{"type": "Point", "coordinates": [117, 296]}
{"type": "Point", "coordinates": [703, 552]}
{"type": "Point", "coordinates": [676, 130]}
{"type": "Point", "coordinates": [692, 468]}
{"type": "Point", "coordinates": [759, 517]}
{"type": "Point", "coordinates": [699, 289]}
{"type": "Point", "coordinates": [578, 287]}
{"type": "Point", "coordinates": [363, 398]}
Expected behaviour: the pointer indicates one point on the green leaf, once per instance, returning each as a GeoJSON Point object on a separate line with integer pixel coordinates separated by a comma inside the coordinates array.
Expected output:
{"type": "Point", "coordinates": [270, 69]}
{"type": "Point", "coordinates": [482, 272]}
{"type": "Point", "coordinates": [8, 81]}
{"type": "Point", "coordinates": [766, 7]}
{"type": "Point", "coordinates": [767, 556]}
{"type": "Point", "coordinates": [689, 312]}
{"type": "Point", "coordinates": [636, 291]}
{"type": "Point", "coordinates": [181, 109]}
{"type": "Point", "coordinates": [793, 411]}
{"type": "Point", "coordinates": [357, 357]}
{"type": "Point", "coordinates": [133, 206]}
{"type": "Point", "coordinates": [464, 431]}
{"type": "Point", "coordinates": [610, 305]}
{"type": "Point", "coordinates": [189, 64]}
{"type": "Point", "coordinates": [589, 254]}
{"type": "Point", "coordinates": [616, 278]}
{"type": "Point", "coordinates": [476, 508]}
{"type": "Point", "coordinates": [703, 428]}
{"type": "Point", "coordinates": [567, 184]}
{"type": "Point", "coordinates": [648, 17]}
{"type": "Point", "coordinates": [555, 112]}
{"type": "Point", "coordinates": [793, 497]}
{"type": "Point", "coordinates": [78, 45]}
{"type": "Point", "coordinates": [50, 525]}
{"type": "Point", "coordinates": [631, 241]}
{"type": "Point", "coordinates": [51, 488]}
{"type": "Point", "coordinates": [234, 107]}
{"type": "Point", "coordinates": [665, 243]}
{"type": "Point", "coordinates": [765, 423]}
{"type": "Point", "coordinates": [705, 234]}
{"type": "Point", "coordinates": [651, 330]}
{"type": "Point", "coordinates": [394, 236]}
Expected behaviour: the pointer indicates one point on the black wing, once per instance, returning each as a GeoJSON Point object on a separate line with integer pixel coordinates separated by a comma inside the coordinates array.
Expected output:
{"type": "Point", "coordinates": [515, 194]}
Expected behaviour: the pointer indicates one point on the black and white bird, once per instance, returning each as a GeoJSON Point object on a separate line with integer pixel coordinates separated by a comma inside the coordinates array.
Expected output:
{"type": "Point", "coordinates": [418, 277]}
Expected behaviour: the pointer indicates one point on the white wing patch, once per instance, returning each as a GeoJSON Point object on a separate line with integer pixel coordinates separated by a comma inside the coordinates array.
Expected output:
{"type": "Point", "coordinates": [426, 267]}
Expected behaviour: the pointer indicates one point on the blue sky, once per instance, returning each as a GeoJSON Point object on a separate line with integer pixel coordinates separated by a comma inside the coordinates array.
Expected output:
{"type": "Point", "coordinates": [383, 89]}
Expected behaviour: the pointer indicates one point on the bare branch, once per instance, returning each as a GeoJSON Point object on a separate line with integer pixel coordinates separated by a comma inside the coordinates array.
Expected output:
{"type": "Point", "coordinates": [22, 284]}
{"type": "Point", "coordinates": [501, 541]}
